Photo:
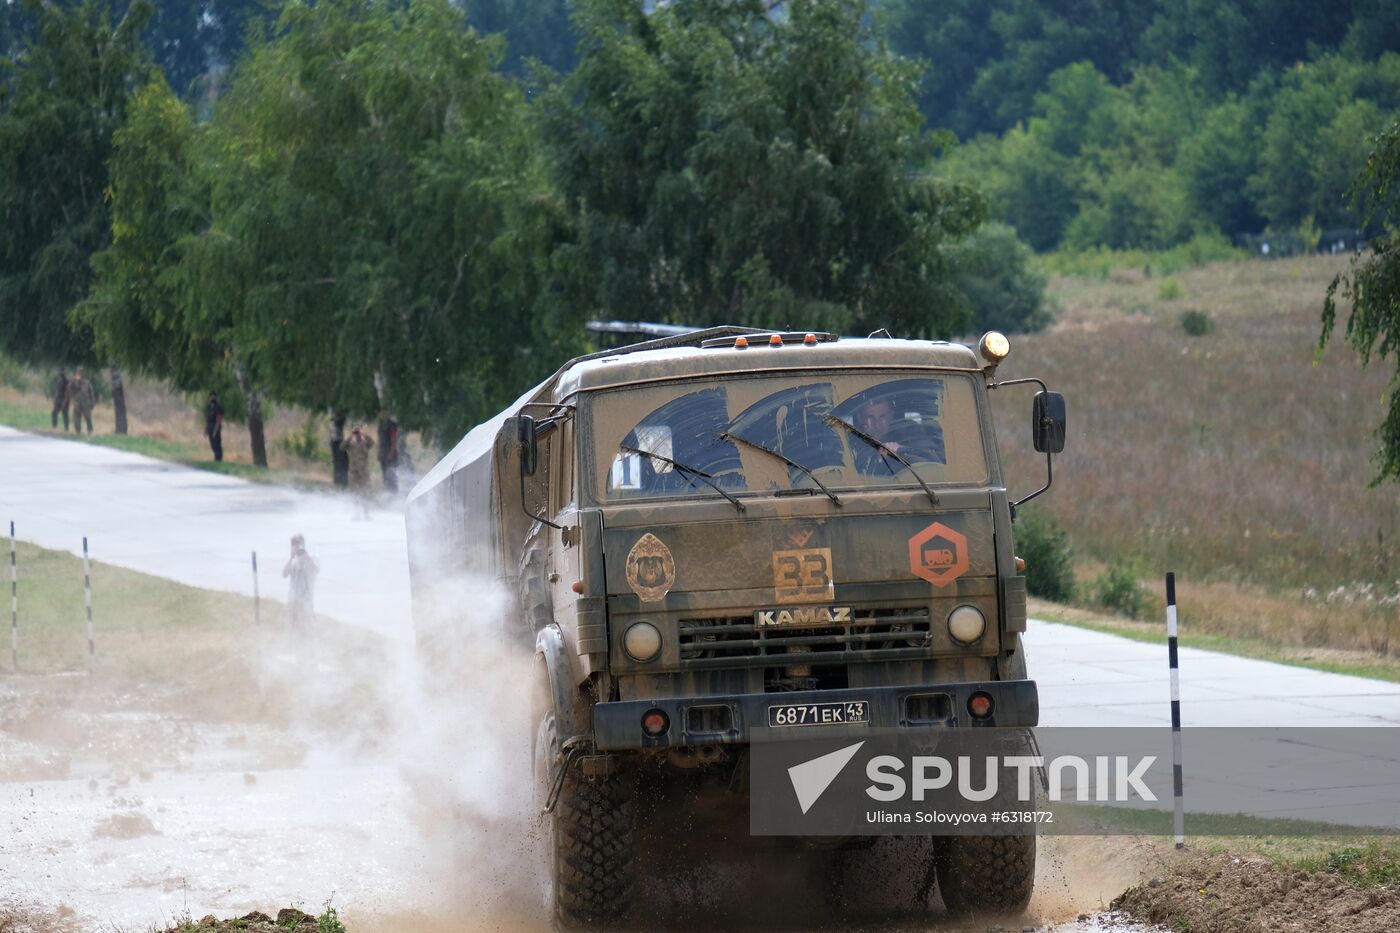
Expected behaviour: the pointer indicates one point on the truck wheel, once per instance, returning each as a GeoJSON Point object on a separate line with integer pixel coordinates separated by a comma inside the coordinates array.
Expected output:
{"type": "Point", "coordinates": [985, 875]}
{"type": "Point", "coordinates": [891, 877]}
{"type": "Point", "coordinates": [590, 861]}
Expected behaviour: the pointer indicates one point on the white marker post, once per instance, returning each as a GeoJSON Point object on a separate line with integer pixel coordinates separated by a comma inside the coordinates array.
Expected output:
{"type": "Point", "coordinates": [257, 606]}
{"type": "Point", "coordinates": [14, 603]}
{"type": "Point", "coordinates": [87, 600]}
{"type": "Point", "coordinates": [1179, 815]}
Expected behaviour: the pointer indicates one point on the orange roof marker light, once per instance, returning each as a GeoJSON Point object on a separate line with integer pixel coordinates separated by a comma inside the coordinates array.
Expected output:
{"type": "Point", "coordinates": [810, 340]}
{"type": "Point", "coordinates": [740, 342]}
{"type": "Point", "coordinates": [776, 340]}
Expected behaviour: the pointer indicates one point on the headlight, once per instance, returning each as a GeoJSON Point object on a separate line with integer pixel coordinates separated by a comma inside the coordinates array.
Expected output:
{"type": "Point", "coordinates": [966, 624]}
{"type": "Point", "coordinates": [641, 641]}
{"type": "Point", "coordinates": [994, 347]}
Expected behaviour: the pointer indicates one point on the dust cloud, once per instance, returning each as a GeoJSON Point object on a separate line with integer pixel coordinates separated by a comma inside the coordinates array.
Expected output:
{"type": "Point", "coordinates": [218, 769]}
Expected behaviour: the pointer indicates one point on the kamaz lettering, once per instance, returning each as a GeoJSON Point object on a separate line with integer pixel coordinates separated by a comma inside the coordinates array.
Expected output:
{"type": "Point", "coordinates": [814, 615]}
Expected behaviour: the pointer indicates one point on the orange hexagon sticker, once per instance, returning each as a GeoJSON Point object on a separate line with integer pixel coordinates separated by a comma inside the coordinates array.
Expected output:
{"type": "Point", "coordinates": [938, 554]}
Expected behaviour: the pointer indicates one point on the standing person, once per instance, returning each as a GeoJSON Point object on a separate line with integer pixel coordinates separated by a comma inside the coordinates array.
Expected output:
{"type": "Point", "coordinates": [60, 399]}
{"type": "Point", "coordinates": [214, 426]}
{"type": "Point", "coordinates": [357, 447]}
{"type": "Point", "coordinates": [301, 570]}
{"type": "Point", "coordinates": [82, 397]}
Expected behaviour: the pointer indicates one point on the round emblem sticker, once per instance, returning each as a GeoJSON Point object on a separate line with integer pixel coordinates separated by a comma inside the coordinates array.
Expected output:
{"type": "Point", "coordinates": [651, 570]}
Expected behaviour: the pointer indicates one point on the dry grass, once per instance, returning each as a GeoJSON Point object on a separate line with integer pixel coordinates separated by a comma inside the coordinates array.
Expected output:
{"type": "Point", "coordinates": [1228, 457]}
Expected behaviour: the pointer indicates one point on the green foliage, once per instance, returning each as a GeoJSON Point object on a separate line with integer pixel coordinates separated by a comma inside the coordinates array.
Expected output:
{"type": "Point", "coordinates": [1169, 289]}
{"type": "Point", "coordinates": [1166, 136]}
{"type": "Point", "coordinates": [138, 310]}
{"type": "Point", "coordinates": [361, 224]}
{"type": "Point", "coordinates": [1117, 589]}
{"type": "Point", "coordinates": [1196, 323]}
{"type": "Point", "coordinates": [728, 167]}
{"type": "Point", "coordinates": [534, 30]}
{"type": "Point", "coordinates": [997, 277]}
{"type": "Point", "coordinates": [1372, 286]}
{"type": "Point", "coordinates": [63, 99]}
{"type": "Point", "coordinates": [1044, 546]}
{"type": "Point", "coordinates": [1369, 866]}
{"type": "Point", "coordinates": [305, 442]}
{"type": "Point", "coordinates": [329, 921]}
{"type": "Point", "coordinates": [1098, 263]}
{"type": "Point", "coordinates": [12, 373]}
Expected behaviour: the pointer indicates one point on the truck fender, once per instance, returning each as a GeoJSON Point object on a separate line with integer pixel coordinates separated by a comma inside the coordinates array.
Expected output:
{"type": "Point", "coordinates": [560, 686]}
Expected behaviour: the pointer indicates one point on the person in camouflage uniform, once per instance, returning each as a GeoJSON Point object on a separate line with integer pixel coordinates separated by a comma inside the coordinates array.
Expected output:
{"type": "Point", "coordinates": [357, 447]}
{"type": "Point", "coordinates": [60, 399]}
{"type": "Point", "coordinates": [82, 397]}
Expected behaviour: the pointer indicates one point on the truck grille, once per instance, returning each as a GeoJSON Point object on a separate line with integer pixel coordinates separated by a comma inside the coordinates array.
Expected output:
{"type": "Point", "coordinates": [871, 635]}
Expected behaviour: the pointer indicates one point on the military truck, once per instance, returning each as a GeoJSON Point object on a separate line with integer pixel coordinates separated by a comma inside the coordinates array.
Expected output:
{"type": "Point", "coordinates": [709, 539]}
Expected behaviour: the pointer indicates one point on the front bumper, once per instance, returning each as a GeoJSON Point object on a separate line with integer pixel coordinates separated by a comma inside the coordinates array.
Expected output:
{"type": "Point", "coordinates": [743, 719]}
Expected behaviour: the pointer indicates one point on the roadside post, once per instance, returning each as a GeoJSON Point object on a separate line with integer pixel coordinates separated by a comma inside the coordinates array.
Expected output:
{"type": "Point", "coordinates": [1179, 814]}
{"type": "Point", "coordinates": [87, 601]}
{"type": "Point", "coordinates": [14, 603]}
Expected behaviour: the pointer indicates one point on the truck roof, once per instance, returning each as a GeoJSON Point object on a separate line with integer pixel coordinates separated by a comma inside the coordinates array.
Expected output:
{"type": "Point", "coordinates": [627, 365]}
{"type": "Point", "coordinates": [684, 356]}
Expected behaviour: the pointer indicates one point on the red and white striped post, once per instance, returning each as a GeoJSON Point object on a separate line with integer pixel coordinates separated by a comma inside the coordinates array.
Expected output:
{"type": "Point", "coordinates": [87, 601]}
{"type": "Point", "coordinates": [1179, 814]}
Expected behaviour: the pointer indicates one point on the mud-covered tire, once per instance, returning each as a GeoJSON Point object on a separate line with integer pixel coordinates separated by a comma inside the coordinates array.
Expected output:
{"type": "Point", "coordinates": [589, 839]}
{"type": "Point", "coordinates": [984, 876]}
{"type": "Point", "coordinates": [892, 877]}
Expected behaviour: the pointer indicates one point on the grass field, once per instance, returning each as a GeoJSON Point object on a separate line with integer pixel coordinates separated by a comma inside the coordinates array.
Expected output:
{"type": "Point", "coordinates": [1230, 458]}
{"type": "Point", "coordinates": [141, 624]}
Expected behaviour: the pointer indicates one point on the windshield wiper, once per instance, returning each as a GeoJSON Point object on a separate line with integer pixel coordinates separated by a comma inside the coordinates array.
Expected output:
{"type": "Point", "coordinates": [881, 450]}
{"type": "Point", "coordinates": [698, 474]}
{"type": "Point", "coordinates": [773, 453]}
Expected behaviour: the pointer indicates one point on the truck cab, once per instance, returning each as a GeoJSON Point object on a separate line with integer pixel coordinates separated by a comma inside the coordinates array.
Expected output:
{"type": "Point", "coordinates": [711, 540]}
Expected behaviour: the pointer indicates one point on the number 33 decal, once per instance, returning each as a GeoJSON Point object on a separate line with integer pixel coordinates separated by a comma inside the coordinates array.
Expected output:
{"type": "Point", "coordinates": [803, 576]}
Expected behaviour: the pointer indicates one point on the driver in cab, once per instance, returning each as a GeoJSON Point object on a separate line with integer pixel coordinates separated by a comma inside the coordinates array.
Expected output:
{"type": "Point", "coordinates": [876, 418]}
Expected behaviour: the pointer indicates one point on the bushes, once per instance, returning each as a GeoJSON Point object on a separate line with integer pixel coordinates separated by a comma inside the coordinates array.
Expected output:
{"type": "Point", "coordinates": [1049, 561]}
{"type": "Point", "coordinates": [1196, 323]}
{"type": "Point", "coordinates": [1117, 589]}
{"type": "Point", "coordinates": [996, 275]}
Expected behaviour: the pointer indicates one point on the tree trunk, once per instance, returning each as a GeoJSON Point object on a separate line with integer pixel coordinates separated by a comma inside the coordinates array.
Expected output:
{"type": "Point", "coordinates": [255, 417]}
{"type": "Point", "coordinates": [118, 398]}
{"type": "Point", "coordinates": [340, 460]}
{"type": "Point", "coordinates": [388, 453]}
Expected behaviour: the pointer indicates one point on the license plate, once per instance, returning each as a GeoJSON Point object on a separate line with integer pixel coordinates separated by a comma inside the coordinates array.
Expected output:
{"type": "Point", "coordinates": [819, 714]}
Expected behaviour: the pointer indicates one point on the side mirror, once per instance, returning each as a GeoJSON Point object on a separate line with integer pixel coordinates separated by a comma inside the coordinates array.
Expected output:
{"type": "Point", "coordinates": [527, 435]}
{"type": "Point", "coordinates": [1048, 422]}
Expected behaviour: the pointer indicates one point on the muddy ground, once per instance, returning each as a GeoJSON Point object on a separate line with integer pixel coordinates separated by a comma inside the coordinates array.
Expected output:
{"type": "Point", "coordinates": [1231, 894]}
{"type": "Point", "coordinates": [230, 774]}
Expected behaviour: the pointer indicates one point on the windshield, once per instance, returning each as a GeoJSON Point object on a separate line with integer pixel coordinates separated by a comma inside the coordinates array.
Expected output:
{"type": "Point", "coordinates": [786, 433]}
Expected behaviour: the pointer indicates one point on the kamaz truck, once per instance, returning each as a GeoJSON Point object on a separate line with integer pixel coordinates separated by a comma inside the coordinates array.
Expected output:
{"type": "Point", "coordinates": [713, 539]}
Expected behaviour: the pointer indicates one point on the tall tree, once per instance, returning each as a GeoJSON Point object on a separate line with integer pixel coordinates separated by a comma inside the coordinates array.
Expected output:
{"type": "Point", "coordinates": [1372, 285]}
{"type": "Point", "coordinates": [533, 30]}
{"type": "Point", "coordinates": [377, 219]}
{"type": "Point", "coordinates": [725, 165]}
{"type": "Point", "coordinates": [65, 97]}
{"type": "Point", "coordinates": [140, 310]}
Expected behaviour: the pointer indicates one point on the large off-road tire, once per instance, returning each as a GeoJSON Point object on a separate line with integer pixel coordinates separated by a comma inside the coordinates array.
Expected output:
{"type": "Point", "coordinates": [891, 877]}
{"type": "Point", "coordinates": [985, 876]}
{"type": "Point", "coordinates": [589, 839]}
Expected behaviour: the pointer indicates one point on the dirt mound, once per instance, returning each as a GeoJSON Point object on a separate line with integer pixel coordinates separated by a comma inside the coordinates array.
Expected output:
{"type": "Point", "coordinates": [288, 918]}
{"type": "Point", "coordinates": [1225, 894]}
